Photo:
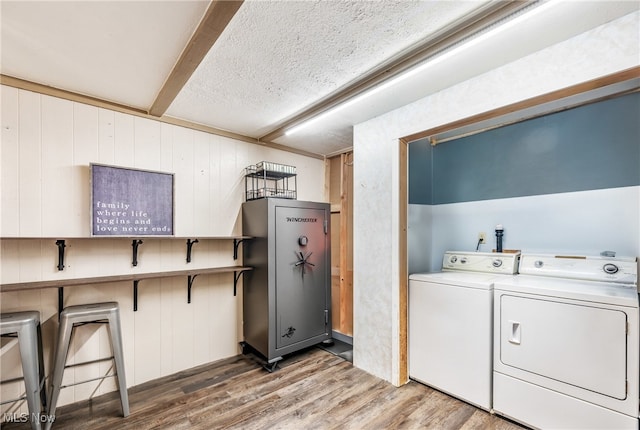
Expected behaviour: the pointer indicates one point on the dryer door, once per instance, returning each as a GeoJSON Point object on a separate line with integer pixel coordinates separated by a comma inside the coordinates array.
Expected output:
{"type": "Point", "coordinates": [581, 345]}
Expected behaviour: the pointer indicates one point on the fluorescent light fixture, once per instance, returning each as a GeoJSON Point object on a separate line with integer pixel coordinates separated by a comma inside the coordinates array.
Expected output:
{"type": "Point", "coordinates": [432, 61]}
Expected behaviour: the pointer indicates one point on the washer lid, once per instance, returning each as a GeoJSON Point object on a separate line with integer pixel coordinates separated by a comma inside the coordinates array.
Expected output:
{"type": "Point", "coordinates": [482, 281]}
{"type": "Point", "coordinates": [590, 291]}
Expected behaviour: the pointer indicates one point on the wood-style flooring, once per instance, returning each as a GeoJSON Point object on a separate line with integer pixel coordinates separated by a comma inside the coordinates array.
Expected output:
{"type": "Point", "coordinates": [313, 389]}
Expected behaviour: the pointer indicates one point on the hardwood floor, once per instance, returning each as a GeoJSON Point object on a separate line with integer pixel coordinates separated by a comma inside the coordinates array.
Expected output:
{"type": "Point", "coordinates": [313, 389]}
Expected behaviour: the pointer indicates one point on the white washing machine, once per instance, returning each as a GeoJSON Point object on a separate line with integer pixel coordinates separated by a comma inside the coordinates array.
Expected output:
{"type": "Point", "coordinates": [566, 343]}
{"type": "Point", "coordinates": [451, 324]}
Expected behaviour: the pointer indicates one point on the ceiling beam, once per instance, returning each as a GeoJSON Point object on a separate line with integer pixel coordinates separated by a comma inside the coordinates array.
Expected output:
{"type": "Point", "coordinates": [466, 26]}
{"type": "Point", "coordinates": [215, 20]}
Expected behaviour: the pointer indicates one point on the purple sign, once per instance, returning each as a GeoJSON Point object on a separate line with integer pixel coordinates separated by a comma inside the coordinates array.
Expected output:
{"type": "Point", "coordinates": [130, 202]}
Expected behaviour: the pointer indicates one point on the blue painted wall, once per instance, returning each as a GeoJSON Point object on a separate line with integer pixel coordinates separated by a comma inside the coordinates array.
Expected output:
{"type": "Point", "coordinates": [592, 147]}
{"type": "Point", "coordinates": [567, 182]}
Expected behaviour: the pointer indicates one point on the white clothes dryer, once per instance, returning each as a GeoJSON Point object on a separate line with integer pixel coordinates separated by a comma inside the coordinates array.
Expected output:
{"type": "Point", "coordinates": [566, 343]}
{"type": "Point", "coordinates": [451, 324]}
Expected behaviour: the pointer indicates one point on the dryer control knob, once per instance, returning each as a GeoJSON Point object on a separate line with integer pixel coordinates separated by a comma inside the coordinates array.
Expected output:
{"type": "Point", "coordinates": [538, 263]}
{"type": "Point", "coordinates": [463, 260]}
{"type": "Point", "coordinates": [497, 262]}
{"type": "Point", "coordinates": [453, 259]}
{"type": "Point", "coordinates": [610, 268]}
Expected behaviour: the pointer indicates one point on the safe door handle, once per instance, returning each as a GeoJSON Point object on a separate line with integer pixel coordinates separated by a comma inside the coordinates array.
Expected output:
{"type": "Point", "coordinates": [514, 332]}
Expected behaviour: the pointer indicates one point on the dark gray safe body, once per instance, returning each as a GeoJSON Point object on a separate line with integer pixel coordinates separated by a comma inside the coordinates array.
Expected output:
{"type": "Point", "coordinates": [287, 296]}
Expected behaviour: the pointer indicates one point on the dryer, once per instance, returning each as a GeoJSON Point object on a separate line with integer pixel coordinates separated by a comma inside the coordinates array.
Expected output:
{"type": "Point", "coordinates": [566, 343]}
{"type": "Point", "coordinates": [451, 324]}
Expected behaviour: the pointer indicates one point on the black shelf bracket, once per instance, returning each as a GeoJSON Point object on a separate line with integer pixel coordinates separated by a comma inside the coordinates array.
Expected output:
{"type": "Point", "coordinates": [60, 301]}
{"type": "Point", "coordinates": [190, 280]}
{"type": "Point", "coordinates": [135, 294]}
{"type": "Point", "coordinates": [61, 246]}
{"type": "Point", "coordinates": [236, 278]}
{"type": "Point", "coordinates": [236, 243]}
{"type": "Point", "coordinates": [189, 246]}
{"type": "Point", "coordinates": [134, 244]}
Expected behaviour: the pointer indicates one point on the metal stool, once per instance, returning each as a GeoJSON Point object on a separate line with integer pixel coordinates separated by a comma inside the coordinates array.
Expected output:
{"type": "Point", "coordinates": [26, 327]}
{"type": "Point", "coordinates": [73, 316]}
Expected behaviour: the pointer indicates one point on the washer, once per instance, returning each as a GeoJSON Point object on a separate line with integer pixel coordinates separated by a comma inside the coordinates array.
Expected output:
{"type": "Point", "coordinates": [450, 324]}
{"type": "Point", "coordinates": [566, 343]}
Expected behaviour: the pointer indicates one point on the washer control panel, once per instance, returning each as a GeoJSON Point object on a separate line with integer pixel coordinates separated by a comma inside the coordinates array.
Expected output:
{"type": "Point", "coordinates": [592, 268]}
{"type": "Point", "coordinates": [486, 262]}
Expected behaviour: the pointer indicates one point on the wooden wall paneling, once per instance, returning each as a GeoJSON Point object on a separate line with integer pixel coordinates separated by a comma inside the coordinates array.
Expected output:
{"type": "Point", "coordinates": [347, 237]}
{"type": "Point", "coordinates": [346, 300]}
{"type": "Point", "coordinates": [332, 165]}
{"type": "Point", "coordinates": [58, 193]}
{"type": "Point", "coordinates": [403, 283]}
{"type": "Point", "coordinates": [84, 260]}
{"type": "Point", "coordinates": [230, 193]}
{"type": "Point", "coordinates": [147, 319]}
{"type": "Point", "coordinates": [67, 136]}
{"type": "Point", "coordinates": [183, 324]}
{"type": "Point", "coordinates": [106, 137]}
{"type": "Point", "coordinates": [30, 163]}
{"type": "Point", "coordinates": [169, 298]}
{"type": "Point", "coordinates": [146, 143]}
{"type": "Point", "coordinates": [335, 272]}
{"type": "Point", "coordinates": [166, 147]}
{"type": "Point", "coordinates": [124, 140]}
{"type": "Point", "coordinates": [202, 182]}
{"type": "Point", "coordinates": [31, 260]}
{"type": "Point", "coordinates": [9, 159]}
{"type": "Point", "coordinates": [172, 297]}
{"type": "Point", "coordinates": [85, 151]}
{"type": "Point", "coordinates": [9, 264]}
{"type": "Point", "coordinates": [147, 332]}
{"type": "Point", "coordinates": [223, 337]}
{"type": "Point", "coordinates": [183, 141]}
{"type": "Point", "coordinates": [215, 165]}
{"type": "Point", "coordinates": [203, 308]}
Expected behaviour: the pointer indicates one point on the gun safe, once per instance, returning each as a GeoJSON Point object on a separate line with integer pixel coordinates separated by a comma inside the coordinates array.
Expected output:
{"type": "Point", "coordinates": [287, 295]}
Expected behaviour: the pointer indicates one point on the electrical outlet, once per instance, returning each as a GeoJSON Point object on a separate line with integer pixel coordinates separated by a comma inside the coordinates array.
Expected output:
{"type": "Point", "coordinates": [482, 237]}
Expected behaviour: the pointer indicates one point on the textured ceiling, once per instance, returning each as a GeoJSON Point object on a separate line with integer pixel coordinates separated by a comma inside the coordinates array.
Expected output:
{"type": "Point", "coordinates": [276, 60]}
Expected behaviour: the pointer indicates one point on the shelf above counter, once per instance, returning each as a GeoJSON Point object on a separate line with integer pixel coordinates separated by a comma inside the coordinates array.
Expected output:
{"type": "Point", "coordinates": [70, 282]}
{"type": "Point", "coordinates": [136, 241]}
{"type": "Point", "coordinates": [191, 274]}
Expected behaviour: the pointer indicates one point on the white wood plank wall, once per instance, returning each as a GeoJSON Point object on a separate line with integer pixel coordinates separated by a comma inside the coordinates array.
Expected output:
{"type": "Point", "coordinates": [47, 145]}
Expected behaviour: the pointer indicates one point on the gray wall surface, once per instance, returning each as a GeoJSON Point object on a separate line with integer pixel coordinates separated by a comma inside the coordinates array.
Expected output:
{"type": "Point", "coordinates": [592, 147]}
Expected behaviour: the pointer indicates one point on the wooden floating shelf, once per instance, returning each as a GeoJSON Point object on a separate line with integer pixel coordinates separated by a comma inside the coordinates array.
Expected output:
{"type": "Point", "coordinates": [191, 274]}
{"type": "Point", "coordinates": [126, 237]}
{"type": "Point", "coordinates": [21, 286]}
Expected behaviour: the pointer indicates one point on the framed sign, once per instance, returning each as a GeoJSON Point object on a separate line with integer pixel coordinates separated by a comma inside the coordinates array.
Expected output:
{"type": "Point", "coordinates": [131, 202]}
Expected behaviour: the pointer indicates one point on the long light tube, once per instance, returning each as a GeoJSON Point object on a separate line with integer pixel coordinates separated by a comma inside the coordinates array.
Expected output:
{"type": "Point", "coordinates": [432, 61]}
